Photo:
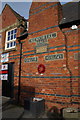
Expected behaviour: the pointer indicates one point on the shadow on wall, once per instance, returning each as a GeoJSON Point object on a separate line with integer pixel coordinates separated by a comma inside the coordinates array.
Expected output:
{"type": "Point", "coordinates": [25, 92]}
{"type": "Point", "coordinates": [54, 114]}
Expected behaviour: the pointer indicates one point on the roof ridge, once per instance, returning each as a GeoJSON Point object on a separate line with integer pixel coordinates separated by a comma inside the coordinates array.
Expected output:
{"type": "Point", "coordinates": [71, 2]}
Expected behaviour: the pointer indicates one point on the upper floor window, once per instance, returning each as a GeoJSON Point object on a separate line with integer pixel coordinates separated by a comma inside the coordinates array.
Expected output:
{"type": "Point", "coordinates": [10, 39]}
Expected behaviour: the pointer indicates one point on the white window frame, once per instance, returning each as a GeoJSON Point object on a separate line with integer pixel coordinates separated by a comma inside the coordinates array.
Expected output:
{"type": "Point", "coordinates": [27, 25]}
{"type": "Point", "coordinates": [6, 41]}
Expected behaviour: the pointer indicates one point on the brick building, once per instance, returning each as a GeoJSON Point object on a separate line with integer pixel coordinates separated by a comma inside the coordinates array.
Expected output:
{"type": "Point", "coordinates": [49, 54]}
{"type": "Point", "coordinates": [9, 28]}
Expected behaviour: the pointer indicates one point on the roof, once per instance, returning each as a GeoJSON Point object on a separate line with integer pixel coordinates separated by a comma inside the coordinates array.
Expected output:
{"type": "Point", "coordinates": [71, 12]}
{"type": "Point", "coordinates": [19, 17]}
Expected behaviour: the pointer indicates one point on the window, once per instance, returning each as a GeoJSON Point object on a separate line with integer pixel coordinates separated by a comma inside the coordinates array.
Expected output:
{"type": "Point", "coordinates": [10, 39]}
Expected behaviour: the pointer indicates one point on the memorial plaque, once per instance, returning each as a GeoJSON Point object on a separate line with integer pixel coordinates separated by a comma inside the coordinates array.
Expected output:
{"type": "Point", "coordinates": [41, 49]}
{"type": "Point", "coordinates": [31, 59]}
{"type": "Point", "coordinates": [43, 39]}
{"type": "Point", "coordinates": [54, 57]}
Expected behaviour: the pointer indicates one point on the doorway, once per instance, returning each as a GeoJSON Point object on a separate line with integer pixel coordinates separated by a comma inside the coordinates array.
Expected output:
{"type": "Point", "coordinates": [8, 80]}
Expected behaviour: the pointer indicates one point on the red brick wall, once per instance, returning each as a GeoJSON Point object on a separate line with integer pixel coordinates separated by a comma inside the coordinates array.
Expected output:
{"type": "Point", "coordinates": [72, 38]}
{"type": "Point", "coordinates": [55, 85]}
{"type": "Point", "coordinates": [8, 18]}
{"type": "Point", "coordinates": [60, 79]}
{"type": "Point", "coordinates": [43, 16]}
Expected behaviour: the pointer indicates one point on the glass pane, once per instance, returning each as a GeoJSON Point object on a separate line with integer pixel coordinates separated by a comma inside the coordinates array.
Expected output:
{"type": "Point", "coordinates": [10, 44]}
{"type": "Point", "coordinates": [12, 32]}
{"type": "Point", "coordinates": [14, 43]}
{"type": "Point", "coordinates": [7, 45]}
{"type": "Point", "coordinates": [15, 30]}
{"type": "Point", "coordinates": [11, 37]}
{"type": "Point", "coordinates": [8, 38]}
{"type": "Point", "coordinates": [8, 33]}
{"type": "Point", "coordinates": [14, 36]}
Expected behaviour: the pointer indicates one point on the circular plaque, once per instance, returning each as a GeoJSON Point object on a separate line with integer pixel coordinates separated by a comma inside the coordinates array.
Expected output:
{"type": "Point", "coordinates": [41, 68]}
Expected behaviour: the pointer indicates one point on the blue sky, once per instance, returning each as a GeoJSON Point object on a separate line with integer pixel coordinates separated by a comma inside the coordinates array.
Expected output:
{"type": "Point", "coordinates": [21, 7]}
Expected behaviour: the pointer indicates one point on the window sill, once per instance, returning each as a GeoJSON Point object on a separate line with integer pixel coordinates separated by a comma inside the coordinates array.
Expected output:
{"type": "Point", "coordinates": [10, 50]}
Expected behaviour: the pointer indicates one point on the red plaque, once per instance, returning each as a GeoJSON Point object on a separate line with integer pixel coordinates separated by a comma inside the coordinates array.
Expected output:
{"type": "Point", "coordinates": [41, 68]}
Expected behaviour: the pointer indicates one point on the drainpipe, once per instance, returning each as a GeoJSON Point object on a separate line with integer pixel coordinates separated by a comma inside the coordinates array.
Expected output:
{"type": "Point", "coordinates": [20, 38]}
{"type": "Point", "coordinates": [71, 91]}
{"type": "Point", "coordinates": [19, 82]}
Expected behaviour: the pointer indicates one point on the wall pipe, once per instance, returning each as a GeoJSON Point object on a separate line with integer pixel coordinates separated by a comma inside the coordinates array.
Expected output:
{"type": "Point", "coordinates": [71, 91]}
{"type": "Point", "coordinates": [20, 38]}
{"type": "Point", "coordinates": [19, 82]}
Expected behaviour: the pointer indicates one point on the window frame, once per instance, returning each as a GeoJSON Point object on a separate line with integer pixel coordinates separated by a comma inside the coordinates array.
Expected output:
{"type": "Point", "coordinates": [13, 40]}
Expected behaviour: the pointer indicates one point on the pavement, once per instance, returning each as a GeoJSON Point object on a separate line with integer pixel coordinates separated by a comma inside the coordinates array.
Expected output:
{"type": "Point", "coordinates": [10, 110]}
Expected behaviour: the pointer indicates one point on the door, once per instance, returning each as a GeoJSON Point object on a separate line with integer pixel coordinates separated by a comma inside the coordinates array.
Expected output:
{"type": "Point", "coordinates": [8, 82]}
